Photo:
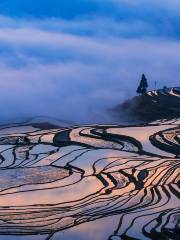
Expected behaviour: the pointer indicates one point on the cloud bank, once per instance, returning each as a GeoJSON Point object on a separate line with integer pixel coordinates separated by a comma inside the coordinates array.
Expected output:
{"type": "Point", "coordinates": [76, 68]}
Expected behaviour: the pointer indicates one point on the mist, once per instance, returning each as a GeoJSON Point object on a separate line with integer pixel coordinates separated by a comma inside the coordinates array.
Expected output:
{"type": "Point", "coordinates": [77, 69]}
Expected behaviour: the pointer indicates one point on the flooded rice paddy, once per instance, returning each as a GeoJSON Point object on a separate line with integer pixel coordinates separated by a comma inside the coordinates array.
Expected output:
{"type": "Point", "coordinates": [90, 182]}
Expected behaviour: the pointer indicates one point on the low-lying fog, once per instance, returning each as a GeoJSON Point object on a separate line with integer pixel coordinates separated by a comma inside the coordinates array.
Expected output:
{"type": "Point", "coordinates": [76, 69]}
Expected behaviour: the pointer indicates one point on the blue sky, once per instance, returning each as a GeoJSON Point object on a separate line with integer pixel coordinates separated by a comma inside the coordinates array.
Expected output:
{"type": "Point", "coordinates": [159, 18]}
{"type": "Point", "coordinates": [83, 54]}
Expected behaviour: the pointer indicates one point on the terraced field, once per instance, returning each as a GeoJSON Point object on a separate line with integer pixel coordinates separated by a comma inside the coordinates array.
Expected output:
{"type": "Point", "coordinates": [57, 180]}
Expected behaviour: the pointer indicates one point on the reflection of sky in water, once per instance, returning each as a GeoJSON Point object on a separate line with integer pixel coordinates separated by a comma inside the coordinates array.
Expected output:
{"type": "Point", "coordinates": [142, 135]}
{"type": "Point", "coordinates": [22, 237]}
{"type": "Point", "coordinates": [97, 230]}
{"type": "Point", "coordinates": [103, 182]}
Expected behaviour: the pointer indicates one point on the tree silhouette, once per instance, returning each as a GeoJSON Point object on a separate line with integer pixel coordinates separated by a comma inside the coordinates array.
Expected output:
{"type": "Point", "coordinates": [142, 88]}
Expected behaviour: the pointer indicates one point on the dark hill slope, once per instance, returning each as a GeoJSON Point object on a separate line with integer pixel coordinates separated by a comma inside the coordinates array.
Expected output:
{"type": "Point", "coordinates": [162, 103]}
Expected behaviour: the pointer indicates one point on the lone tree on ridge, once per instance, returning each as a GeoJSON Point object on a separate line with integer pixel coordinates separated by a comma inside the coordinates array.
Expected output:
{"type": "Point", "coordinates": [142, 88]}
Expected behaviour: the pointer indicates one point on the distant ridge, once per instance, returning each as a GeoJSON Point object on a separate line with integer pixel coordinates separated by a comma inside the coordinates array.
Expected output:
{"type": "Point", "coordinates": [153, 105]}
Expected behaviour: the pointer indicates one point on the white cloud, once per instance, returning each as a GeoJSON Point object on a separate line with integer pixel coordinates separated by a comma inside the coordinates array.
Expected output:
{"type": "Point", "coordinates": [64, 74]}
{"type": "Point", "coordinates": [161, 3]}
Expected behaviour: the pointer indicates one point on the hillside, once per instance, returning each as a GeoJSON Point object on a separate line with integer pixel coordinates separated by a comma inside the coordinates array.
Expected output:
{"type": "Point", "coordinates": [153, 105]}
